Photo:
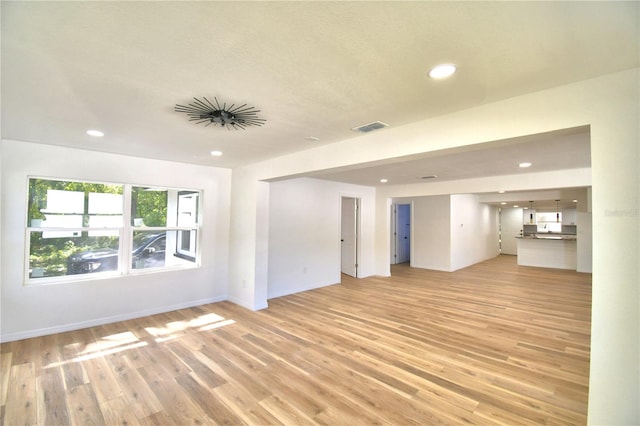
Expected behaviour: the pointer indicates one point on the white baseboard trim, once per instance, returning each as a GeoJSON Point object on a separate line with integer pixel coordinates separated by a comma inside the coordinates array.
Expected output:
{"type": "Point", "coordinates": [248, 305]}
{"type": "Point", "coordinates": [301, 289]}
{"type": "Point", "coordinates": [106, 320]}
{"type": "Point", "coordinates": [260, 306]}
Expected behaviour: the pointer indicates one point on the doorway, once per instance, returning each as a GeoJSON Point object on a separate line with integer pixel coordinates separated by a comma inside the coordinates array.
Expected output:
{"type": "Point", "coordinates": [510, 228]}
{"type": "Point", "coordinates": [349, 236]}
{"type": "Point", "coordinates": [400, 233]}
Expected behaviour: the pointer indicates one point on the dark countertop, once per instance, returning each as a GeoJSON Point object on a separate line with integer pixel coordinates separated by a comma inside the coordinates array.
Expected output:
{"type": "Point", "coordinates": [549, 236]}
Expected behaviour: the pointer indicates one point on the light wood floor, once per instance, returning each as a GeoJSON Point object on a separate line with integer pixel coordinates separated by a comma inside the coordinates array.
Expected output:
{"type": "Point", "coordinates": [491, 344]}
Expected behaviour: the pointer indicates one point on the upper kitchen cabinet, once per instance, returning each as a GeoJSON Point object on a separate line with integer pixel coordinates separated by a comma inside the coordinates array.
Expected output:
{"type": "Point", "coordinates": [569, 216]}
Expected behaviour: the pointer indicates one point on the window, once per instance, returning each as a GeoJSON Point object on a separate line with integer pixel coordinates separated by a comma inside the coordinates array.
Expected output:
{"type": "Point", "coordinates": [79, 228]}
{"type": "Point", "coordinates": [549, 221]}
{"type": "Point", "coordinates": [187, 217]}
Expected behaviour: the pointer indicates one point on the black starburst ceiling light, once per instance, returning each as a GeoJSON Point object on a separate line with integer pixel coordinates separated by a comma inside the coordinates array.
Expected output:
{"type": "Point", "coordinates": [232, 117]}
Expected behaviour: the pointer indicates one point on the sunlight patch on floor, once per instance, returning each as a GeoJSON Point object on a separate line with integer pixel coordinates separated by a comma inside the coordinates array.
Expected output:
{"type": "Point", "coordinates": [172, 330]}
{"type": "Point", "coordinates": [111, 341]}
{"type": "Point", "coordinates": [127, 340]}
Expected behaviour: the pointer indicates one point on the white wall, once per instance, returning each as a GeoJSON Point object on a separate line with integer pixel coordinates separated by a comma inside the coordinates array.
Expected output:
{"type": "Point", "coordinates": [431, 236]}
{"type": "Point", "coordinates": [304, 234]}
{"type": "Point", "coordinates": [474, 231]}
{"type": "Point", "coordinates": [584, 224]}
{"type": "Point", "coordinates": [248, 242]}
{"type": "Point", "coordinates": [585, 241]}
{"type": "Point", "coordinates": [42, 309]}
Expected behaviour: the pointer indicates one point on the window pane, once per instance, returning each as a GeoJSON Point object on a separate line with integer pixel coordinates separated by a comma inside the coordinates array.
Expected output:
{"type": "Point", "coordinates": [62, 221]}
{"type": "Point", "coordinates": [152, 249]}
{"type": "Point", "coordinates": [104, 222]}
{"type": "Point", "coordinates": [105, 204]}
{"type": "Point", "coordinates": [82, 254]}
{"type": "Point", "coordinates": [64, 201]}
{"type": "Point", "coordinates": [182, 244]}
{"type": "Point", "coordinates": [186, 244]}
{"type": "Point", "coordinates": [149, 249]}
{"type": "Point", "coordinates": [57, 203]}
{"type": "Point", "coordinates": [188, 208]}
{"type": "Point", "coordinates": [184, 240]}
{"type": "Point", "coordinates": [149, 206]}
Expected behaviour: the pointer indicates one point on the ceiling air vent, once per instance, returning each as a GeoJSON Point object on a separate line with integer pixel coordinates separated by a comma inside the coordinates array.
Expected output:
{"type": "Point", "coordinates": [370, 127]}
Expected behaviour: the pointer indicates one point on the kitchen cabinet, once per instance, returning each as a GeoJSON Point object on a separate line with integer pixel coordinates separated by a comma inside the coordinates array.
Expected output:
{"type": "Point", "coordinates": [552, 251]}
{"type": "Point", "coordinates": [569, 216]}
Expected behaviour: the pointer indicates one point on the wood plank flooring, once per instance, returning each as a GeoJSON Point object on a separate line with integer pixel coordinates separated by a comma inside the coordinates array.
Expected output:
{"type": "Point", "coordinates": [495, 343]}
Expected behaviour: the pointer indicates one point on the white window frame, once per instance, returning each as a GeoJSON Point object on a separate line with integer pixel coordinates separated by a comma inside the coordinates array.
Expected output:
{"type": "Point", "coordinates": [192, 251]}
{"type": "Point", "coordinates": [125, 237]}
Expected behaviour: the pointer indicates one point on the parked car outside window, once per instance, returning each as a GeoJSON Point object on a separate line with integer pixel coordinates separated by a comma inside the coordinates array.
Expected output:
{"type": "Point", "coordinates": [148, 252]}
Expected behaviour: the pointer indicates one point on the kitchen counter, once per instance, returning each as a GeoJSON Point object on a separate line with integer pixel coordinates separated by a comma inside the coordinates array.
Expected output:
{"type": "Point", "coordinates": [548, 251]}
{"type": "Point", "coordinates": [549, 236]}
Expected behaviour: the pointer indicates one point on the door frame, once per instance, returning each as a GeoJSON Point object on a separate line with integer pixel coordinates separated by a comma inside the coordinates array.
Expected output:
{"type": "Point", "coordinates": [356, 225]}
{"type": "Point", "coordinates": [395, 234]}
{"type": "Point", "coordinates": [393, 238]}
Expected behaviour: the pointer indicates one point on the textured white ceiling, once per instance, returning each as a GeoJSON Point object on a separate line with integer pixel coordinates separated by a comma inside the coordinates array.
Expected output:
{"type": "Point", "coordinates": [312, 68]}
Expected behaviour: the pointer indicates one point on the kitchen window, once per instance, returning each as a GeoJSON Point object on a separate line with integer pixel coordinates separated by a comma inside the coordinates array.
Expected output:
{"type": "Point", "coordinates": [549, 221]}
{"type": "Point", "coordinates": [78, 230]}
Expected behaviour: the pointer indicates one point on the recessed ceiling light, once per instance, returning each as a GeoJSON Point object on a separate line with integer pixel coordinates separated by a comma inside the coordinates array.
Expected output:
{"type": "Point", "coordinates": [95, 133]}
{"type": "Point", "coordinates": [312, 139]}
{"type": "Point", "coordinates": [216, 153]}
{"type": "Point", "coordinates": [442, 71]}
{"type": "Point", "coordinates": [384, 180]}
{"type": "Point", "coordinates": [524, 165]}
{"type": "Point", "coordinates": [501, 191]}
{"type": "Point", "coordinates": [515, 206]}
{"type": "Point", "coordinates": [503, 203]}
{"type": "Point", "coordinates": [575, 201]}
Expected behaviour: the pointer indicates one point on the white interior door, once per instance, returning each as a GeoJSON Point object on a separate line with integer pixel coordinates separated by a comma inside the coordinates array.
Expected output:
{"type": "Point", "coordinates": [349, 236]}
{"type": "Point", "coordinates": [510, 227]}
